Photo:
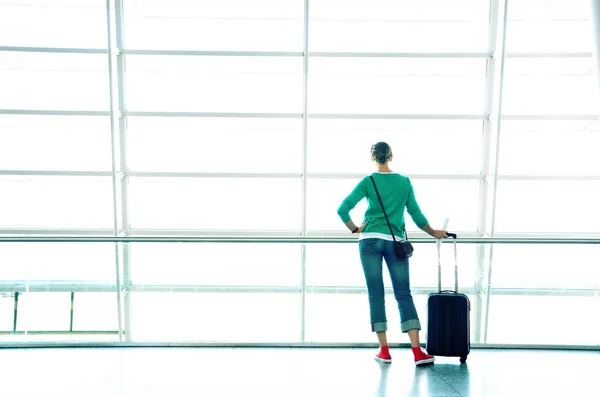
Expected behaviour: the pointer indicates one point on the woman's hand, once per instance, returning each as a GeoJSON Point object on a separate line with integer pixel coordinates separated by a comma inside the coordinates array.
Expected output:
{"type": "Point", "coordinates": [361, 227]}
{"type": "Point", "coordinates": [355, 229]}
{"type": "Point", "coordinates": [439, 234]}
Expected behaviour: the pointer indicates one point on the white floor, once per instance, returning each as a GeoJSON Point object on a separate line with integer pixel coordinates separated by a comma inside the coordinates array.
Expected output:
{"type": "Point", "coordinates": [311, 372]}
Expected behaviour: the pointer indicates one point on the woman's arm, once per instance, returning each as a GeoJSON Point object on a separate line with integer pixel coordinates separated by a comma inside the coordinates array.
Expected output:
{"type": "Point", "coordinates": [357, 194]}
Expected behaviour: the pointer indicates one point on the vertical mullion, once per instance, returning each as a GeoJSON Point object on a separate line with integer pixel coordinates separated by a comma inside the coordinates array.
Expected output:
{"type": "Point", "coordinates": [124, 170]}
{"type": "Point", "coordinates": [304, 170]}
{"type": "Point", "coordinates": [114, 167]}
{"type": "Point", "coordinates": [503, 11]}
{"type": "Point", "coordinates": [595, 10]}
{"type": "Point", "coordinates": [484, 187]}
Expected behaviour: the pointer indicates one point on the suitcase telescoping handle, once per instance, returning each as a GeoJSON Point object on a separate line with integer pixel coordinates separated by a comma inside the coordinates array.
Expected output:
{"type": "Point", "coordinates": [439, 253]}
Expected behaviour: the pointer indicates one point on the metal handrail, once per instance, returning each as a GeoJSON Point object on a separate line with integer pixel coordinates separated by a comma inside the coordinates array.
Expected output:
{"type": "Point", "coordinates": [301, 240]}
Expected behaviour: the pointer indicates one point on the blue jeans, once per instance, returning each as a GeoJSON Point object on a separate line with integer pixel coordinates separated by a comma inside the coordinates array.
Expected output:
{"type": "Point", "coordinates": [372, 252]}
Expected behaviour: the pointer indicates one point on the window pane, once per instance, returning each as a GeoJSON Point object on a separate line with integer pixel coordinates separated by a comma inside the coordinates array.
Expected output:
{"type": "Point", "coordinates": [543, 320]}
{"type": "Point", "coordinates": [56, 202]}
{"type": "Point", "coordinates": [215, 204]}
{"type": "Point", "coordinates": [53, 81]}
{"type": "Point", "coordinates": [84, 262]}
{"type": "Point", "coordinates": [226, 317]}
{"type": "Point", "coordinates": [95, 311]}
{"type": "Point", "coordinates": [549, 26]}
{"type": "Point", "coordinates": [55, 143]}
{"type": "Point", "coordinates": [42, 23]}
{"type": "Point", "coordinates": [346, 270]}
{"type": "Point", "coordinates": [396, 85]}
{"type": "Point", "coordinates": [44, 311]}
{"type": "Point", "coordinates": [351, 321]}
{"type": "Point", "coordinates": [214, 84]}
{"type": "Point", "coordinates": [550, 261]}
{"type": "Point", "coordinates": [388, 26]}
{"type": "Point", "coordinates": [210, 264]}
{"type": "Point", "coordinates": [548, 207]}
{"type": "Point", "coordinates": [438, 199]}
{"type": "Point", "coordinates": [341, 318]}
{"type": "Point", "coordinates": [214, 144]}
{"type": "Point", "coordinates": [550, 86]}
{"type": "Point", "coordinates": [558, 147]}
{"type": "Point", "coordinates": [457, 148]}
{"type": "Point", "coordinates": [259, 25]}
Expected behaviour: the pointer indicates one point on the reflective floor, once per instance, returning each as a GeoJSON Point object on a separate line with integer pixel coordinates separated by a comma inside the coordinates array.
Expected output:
{"type": "Point", "coordinates": [292, 372]}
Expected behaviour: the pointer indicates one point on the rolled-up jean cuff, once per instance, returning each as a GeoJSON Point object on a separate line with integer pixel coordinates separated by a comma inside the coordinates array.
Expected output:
{"type": "Point", "coordinates": [379, 327]}
{"type": "Point", "coordinates": [410, 325]}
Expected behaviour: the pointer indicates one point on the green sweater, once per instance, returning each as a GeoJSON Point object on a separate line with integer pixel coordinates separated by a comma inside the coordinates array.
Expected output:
{"type": "Point", "coordinates": [396, 193]}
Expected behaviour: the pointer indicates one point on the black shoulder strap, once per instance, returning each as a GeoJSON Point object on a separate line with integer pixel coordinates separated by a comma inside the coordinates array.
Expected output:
{"type": "Point", "coordinates": [383, 208]}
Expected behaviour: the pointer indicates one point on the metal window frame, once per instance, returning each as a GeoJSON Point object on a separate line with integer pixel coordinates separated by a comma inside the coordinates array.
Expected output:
{"type": "Point", "coordinates": [115, 167]}
{"type": "Point", "coordinates": [496, 134]}
{"type": "Point", "coordinates": [123, 168]}
{"type": "Point", "coordinates": [121, 234]}
{"type": "Point", "coordinates": [33, 286]}
{"type": "Point", "coordinates": [304, 176]}
{"type": "Point", "coordinates": [593, 239]}
{"type": "Point", "coordinates": [595, 9]}
{"type": "Point", "coordinates": [327, 116]}
{"type": "Point", "coordinates": [123, 175]}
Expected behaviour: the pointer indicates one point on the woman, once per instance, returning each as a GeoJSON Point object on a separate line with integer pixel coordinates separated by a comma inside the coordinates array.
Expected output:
{"type": "Point", "coordinates": [376, 243]}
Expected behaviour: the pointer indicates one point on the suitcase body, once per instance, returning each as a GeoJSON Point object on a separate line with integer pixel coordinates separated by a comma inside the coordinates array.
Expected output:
{"type": "Point", "coordinates": [448, 318]}
{"type": "Point", "coordinates": [448, 327]}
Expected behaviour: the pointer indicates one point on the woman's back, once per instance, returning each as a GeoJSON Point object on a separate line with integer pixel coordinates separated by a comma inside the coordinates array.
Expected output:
{"type": "Point", "coordinates": [396, 193]}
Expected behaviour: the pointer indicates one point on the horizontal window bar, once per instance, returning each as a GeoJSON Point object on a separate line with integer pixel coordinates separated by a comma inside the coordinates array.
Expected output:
{"type": "Point", "coordinates": [249, 115]}
{"type": "Point", "coordinates": [351, 116]}
{"type": "Point", "coordinates": [323, 175]}
{"type": "Point", "coordinates": [33, 112]}
{"type": "Point", "coordinates": [8, 286]}
{"type": "Point", "coordinates": [543, 291]}
{"type": "Point", "coordinates": [314, 175]}
{"type": "Point", "coordinates": [214, 289]}
{"type": "Point", "coordinates": [287, 175]}
{"type": "Point", "coordinates": [549, 177]}
{"type": "Point", "coordinates": [285, 240]}
{"type": "Point", "coordinates": [320, 54]}
{"type": "Point", "coordinates": [223, 233]}
{"type": "Point", "coordinates": [548, 55]}
{"type": "Point", "coordinates": [397, 116]}
{"type": "Point", "coordinates": [333, 54]}
{"type": "Point", "coordinates": [552, 117]}
{"type": "Point", "coordinates": [55, 50]}
{"type": "Point", "coordinates": [58, 231]}
{"type": "Point", "coordinates": [65, 333]}
{"type": "Point", "coordinates": [215, 114]}
{"type": "Point", "coordinates": [215, 53]}
{"type": "Point", "coordinates": [22, 286]}
{"type": "Point", "coordinates": [54, 173]}
{"type": "Point", "coordinates": [208, 232]}
{"type": "Point", "coordinates": [150, 174]}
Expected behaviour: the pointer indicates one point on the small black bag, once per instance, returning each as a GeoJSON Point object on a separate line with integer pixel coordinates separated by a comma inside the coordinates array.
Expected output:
{"type": "Point", "coordinates": [402, 248]}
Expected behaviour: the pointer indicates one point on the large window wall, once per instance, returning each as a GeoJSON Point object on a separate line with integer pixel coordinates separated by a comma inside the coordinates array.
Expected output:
{"type": "Point", "coordinates": [255, 118]}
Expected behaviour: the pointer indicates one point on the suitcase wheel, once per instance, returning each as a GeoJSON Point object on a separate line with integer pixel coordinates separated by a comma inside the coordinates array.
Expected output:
{"type": "Point", "coordinates": [463, 359]}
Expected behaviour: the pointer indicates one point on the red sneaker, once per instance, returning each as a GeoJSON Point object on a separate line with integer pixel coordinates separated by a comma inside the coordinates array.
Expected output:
{"type": "Point", "coordinates": [384, 355]}
{"type": "Point", "coordinates": [421, 357]}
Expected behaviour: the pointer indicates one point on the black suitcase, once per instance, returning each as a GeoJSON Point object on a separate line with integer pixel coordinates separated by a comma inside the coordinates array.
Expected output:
{"type": "Point", "coordinates": [448, 317]}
